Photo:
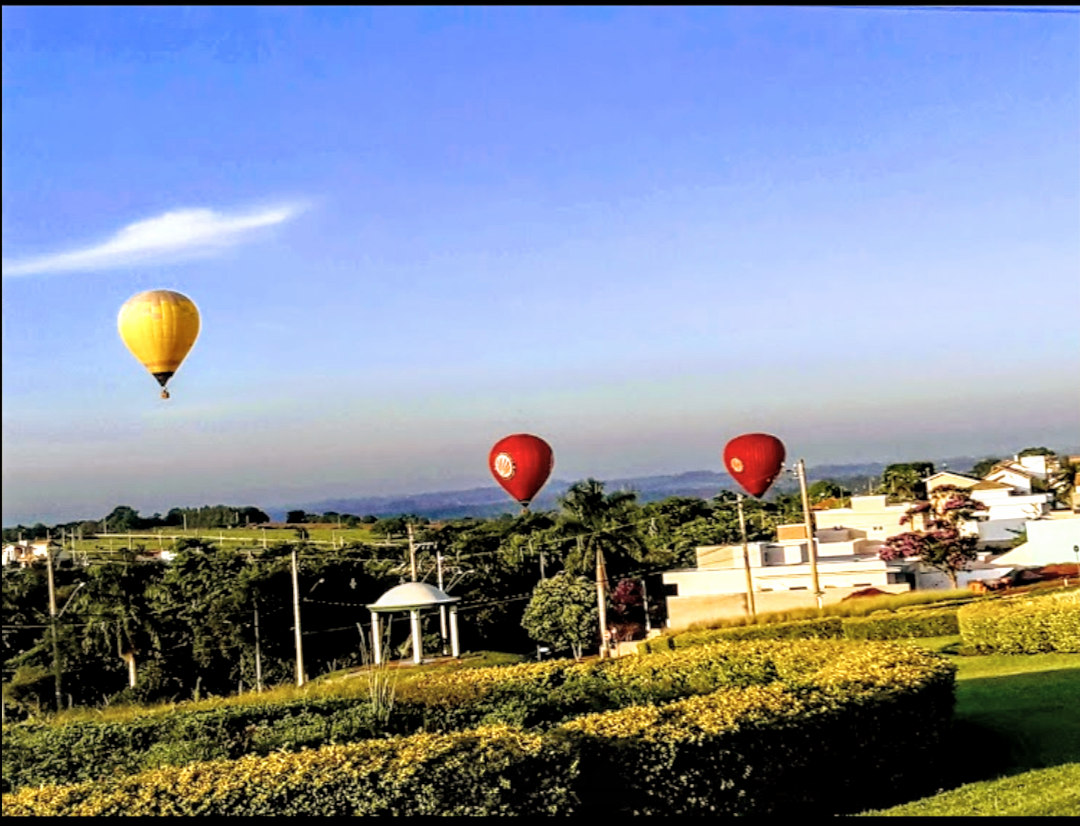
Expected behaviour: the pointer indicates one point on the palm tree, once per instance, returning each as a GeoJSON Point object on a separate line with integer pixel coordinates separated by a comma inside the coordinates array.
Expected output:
{"type": "Point", "coordinates": [1063, 480]}
{"type": "Point", "coordinates": [603, 522]}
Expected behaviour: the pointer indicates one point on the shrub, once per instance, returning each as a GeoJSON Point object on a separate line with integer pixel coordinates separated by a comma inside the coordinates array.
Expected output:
{"type": "Point", "coordinates": [815, 629]}
{"type": "Point", "coordinates": [874, 712]}
{"type": "Point", "coordinates": [936, 623]}
{"type": "Point", "coordinates": [489, 771]}
{"type": "Point", "coordinates": [1023, 626]}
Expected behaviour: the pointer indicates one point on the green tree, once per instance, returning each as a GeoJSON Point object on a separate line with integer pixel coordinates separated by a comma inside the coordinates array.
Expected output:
{"type": "Point", "coordinates": [1036, 451]}
{"type": "Point", "coordinates": [563, 613]}
{"type": "Point", "coordinates": [296, 517]}
{"type": "Point", "coordinates": [825, 489]}
{"type": "Point", "coordinates": [1063, 481]}
{"type": "Point", "coordinates": [984, 466]}
{"type": "Point", "coordinates": [123, 519]}
{"type": "Point", "coordinates": [605, 522]}
{"type": "Point", "coordinates": [904, 481]}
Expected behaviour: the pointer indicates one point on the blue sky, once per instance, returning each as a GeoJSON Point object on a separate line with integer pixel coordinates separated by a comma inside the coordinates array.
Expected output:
{"type": "Point", "coordinates": [635, 232]}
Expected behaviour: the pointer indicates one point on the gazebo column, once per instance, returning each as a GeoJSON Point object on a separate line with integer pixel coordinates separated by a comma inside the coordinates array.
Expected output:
{"type": "Point", "coordinates": [376, 637]}
{"type": "Point", "coordinates": [417, 643]}
{"type": "Point", "coordinates": [455, 647]}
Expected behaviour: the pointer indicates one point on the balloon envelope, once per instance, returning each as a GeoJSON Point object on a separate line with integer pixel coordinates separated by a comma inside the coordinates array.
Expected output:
{"type": "Point", "coordinates": [754, 460]}
{"type": "Point", "coordinates": [521, 463]}
{"type": "Point", "coordinates": [159, 327]}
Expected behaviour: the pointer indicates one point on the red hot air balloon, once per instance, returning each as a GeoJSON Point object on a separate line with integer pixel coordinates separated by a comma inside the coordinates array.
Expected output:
{"type": "Point", "coordinates": [521, 463]}
{"type": "Point", "coordinates": [754, 460]}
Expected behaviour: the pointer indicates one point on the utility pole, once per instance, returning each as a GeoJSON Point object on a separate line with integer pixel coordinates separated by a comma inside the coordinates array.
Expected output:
{"type": "Point", "coordinates": [809, 524]}
{"type": "Point", "coordinates": [296, 620]}
{"type": "Point", "coordinates": [258, 652]}
{"type": "Point", "coordinates": [442, 608]}
{"type": "Point", "coordinates": [53, 620]}
{"type": "Point", "coordinates": [746, 560]}
{"type": "Point", "coordinates": [601, 576]}
{"type": "Point", "coordinates": [412, 551]}
{"type": "Point", "coordinates": [645, 602]}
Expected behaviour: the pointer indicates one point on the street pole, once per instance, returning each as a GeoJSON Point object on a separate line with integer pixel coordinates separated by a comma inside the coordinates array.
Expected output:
{"type": "Point", "coordinates": [601, 602]}
{"type": "Point", "coordinates": [53, 621]}
{"type": "Point", "coordinates": [296, 620]}
{"type": "Point", "coordinates": [809, 524]}
{"type": "Point", "coordinates": [746, 561]}
{"type": "Point", "coordinates": [442, 608]}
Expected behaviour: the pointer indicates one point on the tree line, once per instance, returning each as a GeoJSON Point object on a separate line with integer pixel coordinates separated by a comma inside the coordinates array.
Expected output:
{"type": "Point", "coordinates": [149, 630]}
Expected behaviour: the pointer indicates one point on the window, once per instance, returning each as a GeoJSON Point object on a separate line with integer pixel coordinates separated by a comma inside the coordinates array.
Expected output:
{"type": "Point", "coordinates": [671, 589]}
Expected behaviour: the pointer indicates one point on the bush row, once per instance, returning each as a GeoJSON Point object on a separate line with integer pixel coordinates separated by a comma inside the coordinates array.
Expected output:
{"type": "Point", "coordinates": [531, 695]}
{"type": "Point", "coordinates": [818, 629]}
{"type": "Point", "coordinates": [874, 713]}
{"type": "Point", "coordinates": [885, 626]}
{"type": "Point", "coordinates": [1023, 626]}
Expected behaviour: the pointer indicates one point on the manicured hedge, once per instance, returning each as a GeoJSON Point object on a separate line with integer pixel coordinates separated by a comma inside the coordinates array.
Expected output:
{"type": "Point", "coordinates": [1024, 625]}
{"type": "Point", "coordinates": [827, 628]}
{"type": "Point", "coordinates": [529, 695]}
{"type": "Point", "coordinates": [938, 623]}
{"type": "Point", "coordinates": [870, 713]}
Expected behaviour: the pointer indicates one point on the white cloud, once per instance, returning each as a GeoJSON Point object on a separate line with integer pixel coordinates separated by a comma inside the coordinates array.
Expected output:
{"type": "Point", "coordinates": [179, 233]}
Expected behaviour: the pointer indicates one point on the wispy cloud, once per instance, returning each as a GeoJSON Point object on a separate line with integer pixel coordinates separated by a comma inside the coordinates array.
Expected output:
{"type": "Point", "coordinates": [179, 233]}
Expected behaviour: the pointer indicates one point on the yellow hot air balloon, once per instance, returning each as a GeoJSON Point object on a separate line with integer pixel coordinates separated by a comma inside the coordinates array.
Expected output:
{"type": "Point", "coordinates": [159, 327]}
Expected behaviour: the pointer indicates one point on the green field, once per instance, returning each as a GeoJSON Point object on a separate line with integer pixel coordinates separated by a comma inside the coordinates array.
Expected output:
{"type": "Point", "coordinates": [1016, 743]}
{"type": "Point", "coordinates": [163, 538]}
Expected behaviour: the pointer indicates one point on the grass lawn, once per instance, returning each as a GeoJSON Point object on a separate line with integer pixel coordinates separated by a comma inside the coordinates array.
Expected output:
{"type": "Point", "coordinates": [230, 537]}
{"type": "Point", "coordinates": [1016, 743]}
{"type": "Point", "coordinates": [1038, 793]}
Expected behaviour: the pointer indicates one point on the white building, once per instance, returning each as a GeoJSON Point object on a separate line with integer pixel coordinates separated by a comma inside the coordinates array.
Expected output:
{"type": "Point", "coordinates": [1049, 542]}
{"type": "Point", "coordinates": [1004, 502]}
{"type": "Point", "coordinates": [869, 517]}
{"type": "Point", "coordinates": [948, 477]}
{"type": "Point", "coordinates": [25, 553]}
{"type": "Point", "coordinates": [780, 575]}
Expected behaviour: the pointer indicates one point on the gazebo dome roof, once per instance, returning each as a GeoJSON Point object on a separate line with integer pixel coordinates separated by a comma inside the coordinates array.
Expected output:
{"type": "Point", "coordinates": [412, 595]}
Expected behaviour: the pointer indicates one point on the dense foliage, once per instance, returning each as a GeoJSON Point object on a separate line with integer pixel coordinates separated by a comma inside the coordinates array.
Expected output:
{"type": "Point", "coordinates": [1023, 625]}
{"type": "Point", "coordinates": [188, 627]}
{"type": "Point", "coordinates": [716, 729]}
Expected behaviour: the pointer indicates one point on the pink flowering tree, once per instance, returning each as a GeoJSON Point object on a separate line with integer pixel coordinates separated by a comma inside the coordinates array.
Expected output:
{"type": "Point", "coordinates": [941, 544]}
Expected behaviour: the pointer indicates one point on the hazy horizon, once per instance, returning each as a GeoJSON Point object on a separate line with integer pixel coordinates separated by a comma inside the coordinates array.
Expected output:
{"type": "Point", "coordinates": [636, 232]}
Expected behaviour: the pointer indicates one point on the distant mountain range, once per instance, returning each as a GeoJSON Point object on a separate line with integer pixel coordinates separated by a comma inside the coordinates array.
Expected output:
{"type": "Point", "coordinates": [492, 501]}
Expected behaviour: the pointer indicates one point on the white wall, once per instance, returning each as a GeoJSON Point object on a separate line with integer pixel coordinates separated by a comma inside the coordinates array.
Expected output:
{"type": "Point", "coordinates": [1050, 541]}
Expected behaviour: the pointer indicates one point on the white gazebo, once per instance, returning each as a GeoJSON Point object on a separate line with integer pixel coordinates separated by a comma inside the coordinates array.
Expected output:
{"type": "Point", "coordinates": [413, 597]}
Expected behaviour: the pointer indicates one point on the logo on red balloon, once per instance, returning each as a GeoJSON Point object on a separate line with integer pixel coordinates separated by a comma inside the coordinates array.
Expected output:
{"type": "Point", "coordinates": [737, 465]}
{"type": "Point", "coordinates": [504, 466]}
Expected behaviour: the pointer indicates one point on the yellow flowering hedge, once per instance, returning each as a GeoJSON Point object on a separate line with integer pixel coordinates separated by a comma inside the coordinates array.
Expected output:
{"type": "Point", "coordinates": [487, 771]}
{"type": "Point", "coordinates": [1023, 625]}
{"type": "Point", "coordinates": [835, 720]}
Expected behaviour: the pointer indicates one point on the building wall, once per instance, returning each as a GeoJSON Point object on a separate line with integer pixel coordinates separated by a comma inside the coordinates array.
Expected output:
{"type": "Point", "coordinates": [1050, 542]}
{"type": "Point", "coordinates": [950, 479]}
{"type": "Point", "coordinates": [867, 518]}
{"type": "Point", "coordinates": [999, 530]}
{"type": "Point", "coordinates": [686, 611]}
{"type": "Point", "coordinates": [1010, 477]}
{"type": "Point", "coordinates": [1014, 507]}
